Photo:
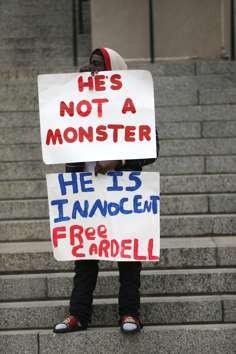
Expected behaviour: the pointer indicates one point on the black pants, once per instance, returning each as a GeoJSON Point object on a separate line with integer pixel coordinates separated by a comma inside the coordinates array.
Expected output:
{"type": "Point", "coordinates": [85, 281]}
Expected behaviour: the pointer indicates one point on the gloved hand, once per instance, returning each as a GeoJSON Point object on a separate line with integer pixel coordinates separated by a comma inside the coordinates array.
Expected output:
{"type": "Point", "coordinates": [104, 166]}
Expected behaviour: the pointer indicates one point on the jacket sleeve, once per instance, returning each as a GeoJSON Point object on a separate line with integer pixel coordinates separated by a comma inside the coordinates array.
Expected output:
{"type": "Point", "coordinates": [142, 162]}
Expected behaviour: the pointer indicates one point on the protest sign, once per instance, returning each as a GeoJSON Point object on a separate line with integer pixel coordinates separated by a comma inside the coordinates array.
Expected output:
{"type": "Point", "coordinates": [114, 217]}
{"type": "Point", "coordinates": [108, 116]}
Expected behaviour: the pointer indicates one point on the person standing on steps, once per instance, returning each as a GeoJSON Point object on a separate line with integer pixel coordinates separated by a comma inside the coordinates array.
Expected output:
{"type": "Point", "coordinates": [86, 271]}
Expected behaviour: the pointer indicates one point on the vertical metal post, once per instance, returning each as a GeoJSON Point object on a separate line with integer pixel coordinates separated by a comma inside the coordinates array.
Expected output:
{"type": "Point", "coordinates": [151, 32]}
{"type": "Point", "coordinates": [74, 32]}
{"type": "Point", "coordinates": [232, 30]}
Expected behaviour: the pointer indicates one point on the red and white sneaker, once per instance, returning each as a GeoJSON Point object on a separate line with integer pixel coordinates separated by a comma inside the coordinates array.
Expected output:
{"type": "Point", "coordinates": [130, 324]}
{"type": "Point", "coordinates": [70, 324]}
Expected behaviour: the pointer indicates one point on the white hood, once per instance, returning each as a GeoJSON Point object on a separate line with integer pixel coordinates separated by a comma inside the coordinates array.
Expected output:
{"type": "Point", "coordinates": [113, 60]}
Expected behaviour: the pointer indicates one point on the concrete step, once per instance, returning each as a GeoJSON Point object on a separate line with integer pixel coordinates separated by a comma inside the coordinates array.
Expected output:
{"type": "Point", "coordinates": [18, 28]}
{"type": "Point", "coordinates": [34, 9]}
{"type": "Point", "coordinates": [195, 82]}
{"type": "Point", "coordinates": [213, 67]}
{"type": "Point", "coordinates": [171, 226]}
{"type": "Point", "coordinates": [166, 131]}
{"type": "Point", "coordinates": [48, 30]}
{"type": "Point", "coordinates": [189, 165]}
{"type": "Point", "coordinates": [179, 165]}
{"type": "Point", "coordinates": [170, 205]}
{"type": "Point", "coordinates": [220, 128]}
{"type": "Point", "coordinates": [198, 184]}
{"type": "Point", "coordinates": [158, 69]}
{"type": "Point", "coordinates": [164, 115]}
{"type": "Point", "coordinates": [154, 310]}
{"type": "Point", "coordinates": [35, 21]}
{"type": "Point", "coordinates": [225, 183]}
{"type": "Point", "coordinates": [196, 113]}
{"type": "Point", "coordinates": [179, 130]}
{"type": "Point", "coordinates": [39, 65]}
{"type": "Point", "coordinates": [20, 152]}
{"type": "Point", "coordinates": [167, 166]}
{"type": "Point", "coordinates": [30, 86]}
{"type": "Point", "coordinates": [195, 252]}
{"type": "Point", "coordinates": [160, 83]}
{"type": "Point", "coordinates": [153, 282]}
{"type": "Point", "coordinates": [31, 13]}
{"type": "Point", "coordinates": [25, 102]}
{"type": "Point", "coordinates": [165, 97]}
{"type": "Point", "coordinates": [30, 5]}
{"type": "Point", "coordinates": [47, 52]}
{"type": "Point", "coordinates": [204, 146]}
{"type": "Point", "coordinates": [27, 73]}
{"type": "Point", "coordinates": [19, 120]}
{"type": "Point", "coordinates": [25, 58]}
{"type": "Point", "coordinates": [164, 73]}
{"type": "Point", "coordinates": [21, 6]}
{"type": "Point", "coordinates": [221, 164]}
{"type": "Point", "coordinates": [25, 170]}
{"type": "Point", "coordinates": [184, 68]}
{"type": "Point", "coordinates": [34, 43]}
{"type": "Point", "coordinates": [172, 130]}
{"type": "Point", "coordinates": [187, 68]}
{"type": "Point", "coordinates": [222, 203]}
{"type": "Point", "coordinates": [174, 339]}
{"type": "Point", "coordinates": [28, 135]}
{"type": "Point", "coordinates": [217, 96]}
{"type": "Point", "coordinates": [169, 148]}
{"type": "Point", "coordinates": [192, 83]}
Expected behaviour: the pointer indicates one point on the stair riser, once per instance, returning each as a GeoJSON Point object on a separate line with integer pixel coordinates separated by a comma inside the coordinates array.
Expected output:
{"type": "Point", "coordinates": [171, 226]}
{"type": "Point", "coordinates": [161, 312]}
{"type": "Point", "coordinates": [215, 339]}
{"type": "Point", "coordinates": [170, 258]}
{"type": "Point", "coordinates": [169, 185]}
{"type": "Point", "coordinates": [60, 286]}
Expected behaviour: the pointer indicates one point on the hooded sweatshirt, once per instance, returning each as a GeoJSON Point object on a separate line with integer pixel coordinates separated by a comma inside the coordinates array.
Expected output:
{"type": "Point", "coordinates": [113, 61]}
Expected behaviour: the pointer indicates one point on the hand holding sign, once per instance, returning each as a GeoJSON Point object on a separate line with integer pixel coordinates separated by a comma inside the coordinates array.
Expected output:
{"type": "Point", "coordinates": [104, 166]}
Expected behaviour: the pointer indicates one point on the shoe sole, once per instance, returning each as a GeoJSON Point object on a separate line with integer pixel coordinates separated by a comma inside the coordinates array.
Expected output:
{"type": "Point", "coordinates": [132, 331]}
{"type": "Point", "coordinates": [68, 330]}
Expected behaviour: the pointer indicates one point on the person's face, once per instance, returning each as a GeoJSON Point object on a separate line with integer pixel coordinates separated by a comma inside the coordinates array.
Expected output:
{"type": "Point", "coordinates": [97, 63]}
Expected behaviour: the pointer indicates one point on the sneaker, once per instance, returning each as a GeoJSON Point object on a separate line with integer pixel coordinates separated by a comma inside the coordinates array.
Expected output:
{"type": "Point", "coordinates": [70, 324]}
{"type": "Point", "coordinates": [130, 324]}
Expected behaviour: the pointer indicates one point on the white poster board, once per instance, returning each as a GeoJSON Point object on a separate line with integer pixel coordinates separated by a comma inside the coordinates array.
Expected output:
{"type": "Point", "coordinates": [115, 217]}
{"type": "Point", "coordinates": [108, 116]}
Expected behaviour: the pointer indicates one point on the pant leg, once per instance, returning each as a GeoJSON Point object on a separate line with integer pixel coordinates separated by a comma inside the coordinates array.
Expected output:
{"type": "Point", "coordinates": [81, 299]}
{"type": "Point", "coordinates": [129, 296]}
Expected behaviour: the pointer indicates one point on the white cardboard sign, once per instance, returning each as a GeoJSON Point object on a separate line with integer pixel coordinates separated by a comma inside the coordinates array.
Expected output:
{"type": "Point", "coordinates": [115, 217]}
{"type": "Point", "coordinates": [108, 116]}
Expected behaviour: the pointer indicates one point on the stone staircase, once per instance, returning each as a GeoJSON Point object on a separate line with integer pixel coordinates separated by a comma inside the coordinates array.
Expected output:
{"type": "Point", "coordinates": [189, 297]}
{"type": "Point", "coordinates": [39, 33]}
